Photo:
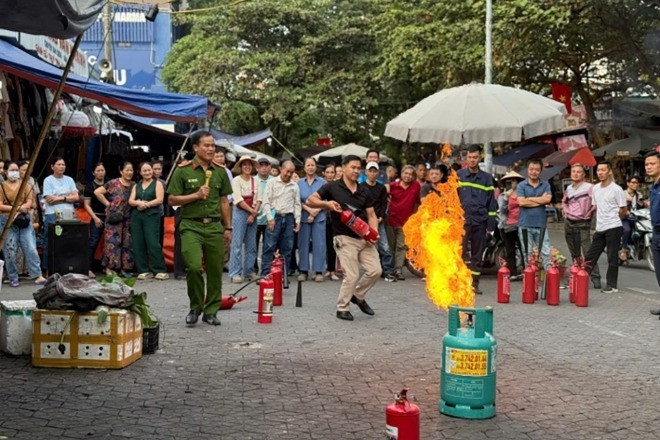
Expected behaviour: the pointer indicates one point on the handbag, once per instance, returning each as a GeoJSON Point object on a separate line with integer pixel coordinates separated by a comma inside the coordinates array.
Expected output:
{"type": "Point", "coordinates": [23, 219]}
{"type": "Point", "coordinates": [250, 199]}
{"type": "Point", "coordinates": [114, 218]}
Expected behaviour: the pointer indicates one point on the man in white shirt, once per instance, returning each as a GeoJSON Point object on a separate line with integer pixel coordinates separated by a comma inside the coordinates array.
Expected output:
{"type": "Point", "coordinates": [610, 202]}
{"type": "Point", "coordinates": [281, 204]}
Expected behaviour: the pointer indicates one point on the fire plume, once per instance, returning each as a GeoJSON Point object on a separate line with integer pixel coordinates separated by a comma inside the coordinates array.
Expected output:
{"type": "Point", "coordinates": [434, 236]}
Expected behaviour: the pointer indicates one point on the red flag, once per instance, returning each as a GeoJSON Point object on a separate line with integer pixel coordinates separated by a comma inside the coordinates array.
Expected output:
{"type": "Point", "coordinates": [562, 92]}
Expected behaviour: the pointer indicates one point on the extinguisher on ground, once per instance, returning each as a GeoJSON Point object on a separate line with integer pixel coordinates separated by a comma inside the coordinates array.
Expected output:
{"type": "Point", "coordinates": [529, 283]}
{"type": "Point", "coordinates": [402, 418]}
{"type": "Point", "coordinates": [503, 282]}
{"type": "Point", "coordinates": [276, 273]}
{"type": "Point", "coordinates": [572, 274]}
{"type": "Point", "coordinates": [265, 306]}
{"type": "Point", "coordinates": [582, 287]}
{"type": "Point", "coordinates": [359, 226]}
{"type": "Point", "coordinates": [552, 281]}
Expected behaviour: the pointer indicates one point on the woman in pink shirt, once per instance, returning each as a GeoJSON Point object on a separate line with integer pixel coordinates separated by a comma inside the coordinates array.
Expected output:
{"type": "Point", "coordinates": [509, 212]}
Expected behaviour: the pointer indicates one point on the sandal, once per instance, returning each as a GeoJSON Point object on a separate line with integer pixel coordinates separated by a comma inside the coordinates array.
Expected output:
{"type": "Point", "coordinates": [162, 276]}
{"type": "Point", "coordinates": [14, 283]}
{"type": "Point", "coordinates": [40, 281]}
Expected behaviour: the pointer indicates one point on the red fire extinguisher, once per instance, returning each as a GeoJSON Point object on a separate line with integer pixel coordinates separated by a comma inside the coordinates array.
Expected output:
{"type": "Point", "coordinates": [359, 226]}
{"type": "Point", "coordinates": [575, 268]}
{"type": "Point", "coordinates": [276, 271]}
{"type": "Point", "coordinates": [582, 287]}
{"type": "Point", "coordinates": [265, 307]}
{"type": "Point", "coordinates": [552, 281]}
{"type": "Point", "coordinates": [529, 280]}
{"type": "Point", "coordinates": [503, 283]}
{"type": "Point", "coordinates": [402, 418]}
{"type": "Point", "coordinates": [537, 273]}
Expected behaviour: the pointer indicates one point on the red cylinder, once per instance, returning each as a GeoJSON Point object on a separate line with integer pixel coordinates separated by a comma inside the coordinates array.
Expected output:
{"type": "Point", "coordinates": [278, 280]}
{"type": "Point", "coordinates": [265, 306]}
{"type": "Point", "coordinates": [582, 288]}
{"type": "Point", "coordinates": [359, 226]}
{"type": "Point", "coordinates": [503, 284]}
{"type": "Point", "coordinates": [537, 275]}
{"type": "Point", "coordinates": [571, 281]}
{"type": "Point", "coordinates": [402, 419]}
{"type": "Point", "coordinates": [529, 280]}
{"type": "Point", "coordinates": [552, 281]}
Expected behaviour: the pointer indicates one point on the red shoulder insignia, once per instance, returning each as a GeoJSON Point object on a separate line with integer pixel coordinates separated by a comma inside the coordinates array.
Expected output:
{"type": "Point", "coordinates": [185, 163]}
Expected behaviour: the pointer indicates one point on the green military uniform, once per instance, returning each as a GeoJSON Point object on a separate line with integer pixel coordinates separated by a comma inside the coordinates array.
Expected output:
{"type": "Point", "coordinates": [201, 232]}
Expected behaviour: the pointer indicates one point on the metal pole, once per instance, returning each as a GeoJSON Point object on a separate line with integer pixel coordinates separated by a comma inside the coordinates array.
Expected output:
{"type": "Point", "coordinates": [107, 32]}
{"type": "Point", "coordinates": [45, 128]}
{"type": "Point", "coordinates": [488, 150]}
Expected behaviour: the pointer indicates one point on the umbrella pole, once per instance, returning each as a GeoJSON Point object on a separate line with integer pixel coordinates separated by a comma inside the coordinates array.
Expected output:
{"type": "Point", "coordinates": [178, 154]}
{"type": "Point", "coordinates": [45, 128]}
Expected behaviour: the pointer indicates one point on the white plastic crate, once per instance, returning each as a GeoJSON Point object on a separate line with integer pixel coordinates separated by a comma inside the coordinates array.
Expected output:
{"type": "Point", "coordinates": [16, 326]}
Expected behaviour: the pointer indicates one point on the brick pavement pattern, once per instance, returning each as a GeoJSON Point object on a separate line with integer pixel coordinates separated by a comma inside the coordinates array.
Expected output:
{"type": "Point", "coordinates": [563, 372]}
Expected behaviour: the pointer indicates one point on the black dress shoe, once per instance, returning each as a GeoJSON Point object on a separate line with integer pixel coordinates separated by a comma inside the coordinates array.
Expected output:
{"type": "Point", "coordinates": [655, 311]}
{"type": "Point", "coordinates": [345, 315]}
{"type": "Point", "coordinates": [476, 290]}
{"type": "Point", "coordinates": [363, 306]}
{"type": "Point", "coordinates": [597, 284]}
{"type": "Point", "coordinates": [211, 319]}
{"type": "Point", "coordinates": [192, 317]}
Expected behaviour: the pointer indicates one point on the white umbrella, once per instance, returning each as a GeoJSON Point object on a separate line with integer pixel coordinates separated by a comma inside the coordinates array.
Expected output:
{"type": "Point", "coordinates": [478, 113]}
{"type": "Point", "coordinates": [337, 153]}
{"type": "Point", "coordinates": [240, 150]}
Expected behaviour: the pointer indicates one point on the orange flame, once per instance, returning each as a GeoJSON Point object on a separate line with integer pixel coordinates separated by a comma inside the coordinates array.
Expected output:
{"type": "Point", "coordinates": [434, 236]}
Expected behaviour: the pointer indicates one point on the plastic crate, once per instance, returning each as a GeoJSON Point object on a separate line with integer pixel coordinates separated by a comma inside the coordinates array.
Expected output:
{"type": "Point", "coordinates": [150, 337]}
{"type": "Point", "coordinates": [16, 326]}
{"type": "Point", "coordinates": [70, 339]}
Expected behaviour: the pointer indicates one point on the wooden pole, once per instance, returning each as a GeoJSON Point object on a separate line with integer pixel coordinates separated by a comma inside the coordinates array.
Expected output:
{"type": "Point", "coordinates": [42, 136]}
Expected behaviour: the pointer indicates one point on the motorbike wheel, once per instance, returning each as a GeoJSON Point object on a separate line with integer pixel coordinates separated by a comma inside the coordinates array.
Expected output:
{"type": "Point", "coordinates": [413, 270]}
{"type": "Point", "coordinates": [649, 258]}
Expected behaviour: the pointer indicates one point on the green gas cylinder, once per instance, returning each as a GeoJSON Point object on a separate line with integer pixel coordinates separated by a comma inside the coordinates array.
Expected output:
{"type": "Point", "coordinates": [467, 375]}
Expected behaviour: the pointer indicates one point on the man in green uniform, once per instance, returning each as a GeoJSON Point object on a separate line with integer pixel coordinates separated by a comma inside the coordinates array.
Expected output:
{"type": "Point", "coordinates": [201, 189]}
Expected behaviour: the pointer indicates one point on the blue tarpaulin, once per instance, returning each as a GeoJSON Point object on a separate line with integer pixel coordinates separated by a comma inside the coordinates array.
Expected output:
{"type": "Point", "coordinates": [170, 106]}
{"type": "Point", "coordinates": [522, 152]}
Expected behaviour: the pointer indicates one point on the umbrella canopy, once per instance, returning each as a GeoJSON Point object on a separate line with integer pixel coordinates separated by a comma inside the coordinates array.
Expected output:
{"type": "Point", "coordinates": [583, 156]}
{"type": "Point", "coordinates": [640, 140]}
{"type": "Point", "coordinates": [337, 153]}
{"type": "Point", "coordinates": [478, 113]}
{"type": "Point", "coordinates": [239, 150]}
{"type": "Point", "coordinates": [522, 152]}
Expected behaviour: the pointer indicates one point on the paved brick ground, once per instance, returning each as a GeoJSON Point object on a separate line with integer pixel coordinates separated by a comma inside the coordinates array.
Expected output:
{"type": "Point", "coordinates": [563, 372]}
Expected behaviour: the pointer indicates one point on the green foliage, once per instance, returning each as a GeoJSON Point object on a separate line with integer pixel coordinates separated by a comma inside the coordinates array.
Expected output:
{"type": "Point", "coordinates": [309, 68]}
{"type": "Point", "coordinates": [137, 303]}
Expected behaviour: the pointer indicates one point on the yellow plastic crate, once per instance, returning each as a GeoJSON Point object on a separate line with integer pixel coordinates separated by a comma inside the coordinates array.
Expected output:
{"type": "Point", "coordinates": [70, 339]}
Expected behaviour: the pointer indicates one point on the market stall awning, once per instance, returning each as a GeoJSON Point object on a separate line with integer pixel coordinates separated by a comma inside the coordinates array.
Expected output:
{"type": "Point", "coordinates": [547, 173]}
{"type": "Point", "coordinates": [244, 140]}
{"type": "Point", "coordinates": [640, 140]}
{"type": "Point", "coordinates": [56, 18]}
{"type": "Point", "coordinates": [170, 106]}
{"type": "Point", "coordinates": [570, 157]}
{"type": "Point", "coordinates": [522, 152]}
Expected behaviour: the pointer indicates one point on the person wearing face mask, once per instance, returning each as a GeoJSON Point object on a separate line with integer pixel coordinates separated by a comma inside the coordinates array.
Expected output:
{"type": "Point", "coordinates": [19, 236]}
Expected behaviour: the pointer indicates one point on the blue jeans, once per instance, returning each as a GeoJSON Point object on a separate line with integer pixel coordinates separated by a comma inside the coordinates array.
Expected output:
{"type": "Point", "coordinates": [49, 219]}
{"type": "Point", "coordinates": [533, 236]}
{"type": "Point", "coordinates": [655, 249]}
{"type": "Point", "coordinates": [27, 240]}
{"type": "Point", "coordinates": [281, 237]}
{"type": "Point", "coordinates": [384, 250]}
{"type": "Point", "coordinates": [242, 234]}
{"type": "Point", "coordinates": [315, 231]}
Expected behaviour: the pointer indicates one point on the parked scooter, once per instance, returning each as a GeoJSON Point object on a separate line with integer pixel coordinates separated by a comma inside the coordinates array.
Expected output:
{"type": "Point", "coordinates": [639, 247]}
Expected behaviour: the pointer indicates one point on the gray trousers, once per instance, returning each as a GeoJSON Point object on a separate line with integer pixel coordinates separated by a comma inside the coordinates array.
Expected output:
{"type": "Point", "coordinates": [578, 239]}
{"type": "Point", "coordinates": [397, 242]}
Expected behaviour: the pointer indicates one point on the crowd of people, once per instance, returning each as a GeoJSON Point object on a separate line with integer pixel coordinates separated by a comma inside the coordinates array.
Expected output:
{"type": "Point", "coordinates": [298, 218]}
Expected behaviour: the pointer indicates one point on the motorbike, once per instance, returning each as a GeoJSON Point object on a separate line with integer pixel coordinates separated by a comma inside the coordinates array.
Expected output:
{"type": "Point", "coordinates": [494, 253]}
{"type": "Point", "coordinates": [639, 248]}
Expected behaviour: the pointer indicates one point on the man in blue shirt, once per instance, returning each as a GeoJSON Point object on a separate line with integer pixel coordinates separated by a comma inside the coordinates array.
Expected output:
{"type": "Point", "coordinates": [533, 195]}
{"type": "Point", "coordinates": [374, 156]}
{"type": "Point", "coordinates": [652, 166]}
